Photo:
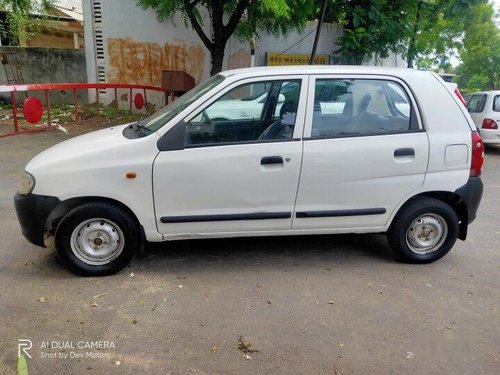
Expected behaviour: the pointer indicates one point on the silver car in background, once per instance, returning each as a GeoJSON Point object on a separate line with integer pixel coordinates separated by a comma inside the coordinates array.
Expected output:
{"type": "Point", "coordinates": [484, 108]}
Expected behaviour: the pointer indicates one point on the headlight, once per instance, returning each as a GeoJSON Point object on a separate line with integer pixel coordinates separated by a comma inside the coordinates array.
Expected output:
{"type": "Point", "coordinates": [27, 184]}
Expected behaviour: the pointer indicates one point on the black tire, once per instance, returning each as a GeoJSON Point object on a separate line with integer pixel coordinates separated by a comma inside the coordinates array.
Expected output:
{"type": "Point", "coordinates": [432, 214]}
{"type": "Point", "coordinates": [120, 232]}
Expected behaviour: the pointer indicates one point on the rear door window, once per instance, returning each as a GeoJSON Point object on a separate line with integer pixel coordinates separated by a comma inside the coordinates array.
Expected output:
{"type": "Point", "coordinates": [357, 107]}
{"type": "Point", "coordinates": [476, 103]}
{"type": "Point", "coordinates": [496, 103]}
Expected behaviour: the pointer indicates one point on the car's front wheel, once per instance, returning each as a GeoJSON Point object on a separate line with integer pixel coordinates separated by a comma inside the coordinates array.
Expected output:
{"type": "Point", "coordinates": [97, 239]}
{"type": "Point", "coordinates": [424, 230]}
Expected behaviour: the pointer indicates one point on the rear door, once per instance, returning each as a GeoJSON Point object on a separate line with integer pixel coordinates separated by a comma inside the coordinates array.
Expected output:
{"type": "Point", "coordinates": [362, 158]}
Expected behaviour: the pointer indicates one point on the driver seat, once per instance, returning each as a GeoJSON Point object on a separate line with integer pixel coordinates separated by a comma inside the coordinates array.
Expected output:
{"type": "Point", "coordinates": [282, 128]}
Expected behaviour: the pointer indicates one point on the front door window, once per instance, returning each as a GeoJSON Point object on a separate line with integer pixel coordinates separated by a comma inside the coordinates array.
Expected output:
{"type": "Point", "coordinates": [253, 112]}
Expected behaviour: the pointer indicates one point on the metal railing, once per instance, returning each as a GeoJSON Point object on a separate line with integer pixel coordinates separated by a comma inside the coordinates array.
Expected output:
{"type": "Point", "coordinates": [33, 108]}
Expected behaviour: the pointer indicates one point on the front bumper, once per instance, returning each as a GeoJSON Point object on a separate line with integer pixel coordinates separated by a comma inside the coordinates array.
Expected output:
{"type": "Point", "coordinates": [471, 193]}
{"type": "Point", "coordinates": [32, 212]}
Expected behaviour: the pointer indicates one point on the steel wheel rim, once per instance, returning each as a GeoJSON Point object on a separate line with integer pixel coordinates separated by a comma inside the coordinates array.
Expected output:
{"type": "Point", "coordinates": [97, 241]}
{"type": "Point", "coordinates": [426, 233]}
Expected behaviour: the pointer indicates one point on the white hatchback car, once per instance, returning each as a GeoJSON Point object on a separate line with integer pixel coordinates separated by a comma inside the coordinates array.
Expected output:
{"type": "Point", "coordinates": [395, 152]}
{"type": "Point", "coordinates": [484, 108]}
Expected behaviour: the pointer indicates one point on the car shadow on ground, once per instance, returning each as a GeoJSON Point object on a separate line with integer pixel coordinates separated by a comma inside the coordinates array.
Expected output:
{"type": "Point", "coordinates": [492, 149]}
{"type": "Point", "coordinates": [241, 253]}
{"type": "Point", "coordinates": [266, 251]}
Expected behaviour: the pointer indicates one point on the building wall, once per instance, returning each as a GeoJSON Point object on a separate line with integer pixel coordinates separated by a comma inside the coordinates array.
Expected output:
{"type": "Point", "coordinates": [127, 44]}
{"type": "Point", "coordinates": [136, 47]}
{"type": "Point", "coordinates": [52, 39]}
{"type": "Point", "coordinates": [394, 60]}
{"type": "Point", "coordinates": [298, 42]}
{"type": "Point", "coordinates": [48, 65]}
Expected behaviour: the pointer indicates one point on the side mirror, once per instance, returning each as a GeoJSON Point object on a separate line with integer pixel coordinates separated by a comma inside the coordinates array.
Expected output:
{"type": "Point", "coordinates": [174, 139]}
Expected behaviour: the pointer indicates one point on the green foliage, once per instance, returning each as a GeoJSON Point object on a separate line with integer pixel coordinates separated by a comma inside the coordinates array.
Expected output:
{"type": "Point", "coordinates": [20, 25]}
{"type": "Point", "coordinates": [425, 31]}
{"type": "Point", "coordinates": [371, 27]}
{"type": "Point", "coordinates": [277, 17]}
{"type": "Point", "coordinates": [480, 52]}
{"type": "Point", "coordinates": [478, 83]}
{"type": "Point", "coordinates": [436, 28]}
{"type": "Point", "coordinates": [227, 17]}
{"type": "Point", "coordinates": [427, 63]}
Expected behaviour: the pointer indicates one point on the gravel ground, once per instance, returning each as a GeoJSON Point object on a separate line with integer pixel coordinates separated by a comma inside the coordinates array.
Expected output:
{"type": "Point", "coordinates": [292, 305]}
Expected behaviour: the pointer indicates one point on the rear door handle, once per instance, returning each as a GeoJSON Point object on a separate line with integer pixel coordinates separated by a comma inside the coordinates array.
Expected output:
{"type": "Point", "coordinates": [271, 160]}
{"type": "Point", "coordinates": [404, 152]}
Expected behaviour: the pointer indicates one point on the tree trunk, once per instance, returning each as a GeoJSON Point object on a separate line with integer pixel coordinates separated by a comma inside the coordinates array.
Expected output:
{"type": "Point", "coordinates": [217, 55]}
{"type": "Point", "coordinates": [410, 56]}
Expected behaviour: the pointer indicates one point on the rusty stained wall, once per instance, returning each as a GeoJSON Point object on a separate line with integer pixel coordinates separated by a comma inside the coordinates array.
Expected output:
{"type": "Point", "coordinates": [131, 61]}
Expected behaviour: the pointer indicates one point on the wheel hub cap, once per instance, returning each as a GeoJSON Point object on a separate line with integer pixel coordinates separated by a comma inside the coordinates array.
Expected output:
{"type": "Point", "coordinates": [97, 241]}
{"type": "Point", "coordinates": [426, 233]}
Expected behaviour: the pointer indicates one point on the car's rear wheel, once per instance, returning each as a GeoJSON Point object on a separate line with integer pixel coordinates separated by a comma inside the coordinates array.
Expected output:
{"type": "Point", "coordinates": [424, 230]}
{"type": "Point", "coordinates": [97, 239]}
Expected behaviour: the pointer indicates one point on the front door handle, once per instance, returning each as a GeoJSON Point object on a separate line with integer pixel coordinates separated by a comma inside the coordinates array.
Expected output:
{"type": "Point", "coordinates": [404, 152]}
{"type": "Point", "coordinates": [271, 160]}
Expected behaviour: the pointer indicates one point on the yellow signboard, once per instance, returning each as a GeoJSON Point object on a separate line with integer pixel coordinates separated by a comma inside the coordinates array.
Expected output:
{"type": "Point", "coordinates": [275, 59]}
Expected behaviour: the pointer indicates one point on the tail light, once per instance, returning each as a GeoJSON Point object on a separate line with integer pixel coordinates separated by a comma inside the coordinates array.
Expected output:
{"type": "Point", "coordinates": [489, 124]}
{"type": "Point", "coordinates": [457, 93]}
{"type": "Point", "coordinates": [477, 154]}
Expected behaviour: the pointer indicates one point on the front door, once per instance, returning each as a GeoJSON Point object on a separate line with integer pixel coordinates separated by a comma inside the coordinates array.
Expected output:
{"type": "Point", "coordinates": [239, 168]}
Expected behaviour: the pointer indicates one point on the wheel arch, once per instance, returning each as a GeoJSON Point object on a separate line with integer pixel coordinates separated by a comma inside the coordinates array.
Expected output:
{"type": "Point", "coordinates": [454, 200]}
{"type": "Point", "coordinates": [67, 205]}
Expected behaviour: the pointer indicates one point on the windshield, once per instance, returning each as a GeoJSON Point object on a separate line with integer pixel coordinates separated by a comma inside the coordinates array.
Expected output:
{"type": "Point", "coordinates": [164, 115]}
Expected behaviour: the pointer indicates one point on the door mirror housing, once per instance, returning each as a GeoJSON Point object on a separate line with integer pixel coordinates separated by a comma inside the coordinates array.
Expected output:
{"type": "Point", "coordinates": [174, 139]}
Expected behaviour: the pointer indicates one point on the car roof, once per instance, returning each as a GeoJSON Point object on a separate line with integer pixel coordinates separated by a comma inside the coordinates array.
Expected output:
{"type": "Point", "coordinates": [324, 69]}
{"type": "Point", "coordinates": [493, 92]}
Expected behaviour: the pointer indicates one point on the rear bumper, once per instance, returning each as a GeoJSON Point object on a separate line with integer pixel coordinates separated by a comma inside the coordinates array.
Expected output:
{"type": "Point", "coordinates": [490, 136]}
{"type": "Point", "coordinates": [32, 212]}
{"type": "Point", "coordinates": [471, 193]}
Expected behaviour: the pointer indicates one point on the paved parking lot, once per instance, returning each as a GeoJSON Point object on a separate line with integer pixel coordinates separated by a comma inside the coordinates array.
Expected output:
{"type": "Point", "coordinates": [306, 305]}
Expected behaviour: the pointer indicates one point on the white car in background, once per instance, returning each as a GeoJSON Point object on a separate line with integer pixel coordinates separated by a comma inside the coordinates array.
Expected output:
{"type": "Point", "coordinates": [484, 108]}
{"type": "Point", "coordinates": [230, 109]}
{"type": "Point", "coordinates": [249, 106]}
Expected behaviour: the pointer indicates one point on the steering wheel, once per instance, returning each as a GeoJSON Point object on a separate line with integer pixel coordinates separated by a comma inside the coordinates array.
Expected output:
{"type": "Point", "coordinates": [274, 131]}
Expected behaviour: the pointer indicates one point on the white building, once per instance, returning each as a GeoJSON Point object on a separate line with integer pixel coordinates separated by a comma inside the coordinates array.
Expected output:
{"type": "Point", "coordinates": [126, 44]}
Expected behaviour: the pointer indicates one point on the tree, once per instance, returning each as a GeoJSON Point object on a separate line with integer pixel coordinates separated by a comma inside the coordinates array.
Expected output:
{"type": "Point", "coordinates": [20, 23]}
{"type": "Point", "coordinates": [370, 27]}
{"type": "Point", "coordinates": [435, 28]}
{"type": "Point", "coordinates": [416, 29]}
{"type": "Point", "coordinates": [239, 17]}
{"type": "Point", "coordinates": [480, 53]}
